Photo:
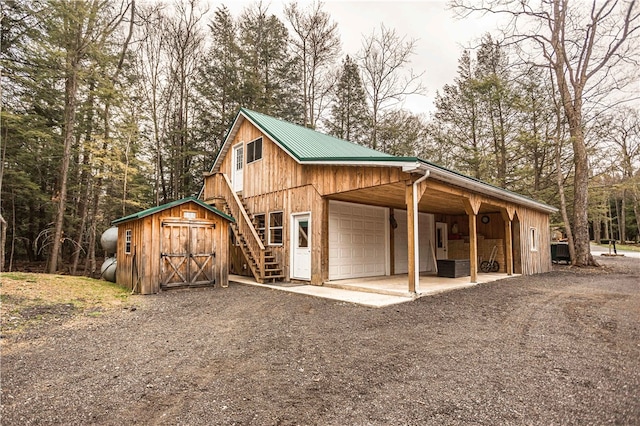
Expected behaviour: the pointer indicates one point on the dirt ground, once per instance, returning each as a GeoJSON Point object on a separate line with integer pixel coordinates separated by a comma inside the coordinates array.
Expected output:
{"type": "Point", "coordinates": [558, 348]}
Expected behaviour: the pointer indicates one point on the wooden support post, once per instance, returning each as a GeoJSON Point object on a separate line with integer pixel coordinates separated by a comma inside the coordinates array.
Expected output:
{"type": "Point", "coordinates": [325, 241]}
{"type": "Point", "coordinates": [392, 248]}
{"type": "Point", "coordinates": [472, 206]}
{"type": "Point", "coordinates": [413, 194]}
{"type": "Point", "coordinates": [507, 216]}
{"type": "Point", "coordinates": [473, 248]}
{"type": "Point", "coordinates": [411, 238]}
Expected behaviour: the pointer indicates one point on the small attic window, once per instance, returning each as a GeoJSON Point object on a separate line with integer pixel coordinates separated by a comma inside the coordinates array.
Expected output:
{"type": "Point", "coordinates": [189, 214]}
{"type": "Point", "coordinates": [254, 150]}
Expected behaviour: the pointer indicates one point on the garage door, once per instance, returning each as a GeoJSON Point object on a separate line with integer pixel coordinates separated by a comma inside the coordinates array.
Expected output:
{"type": "Point", "coordinates": [357, 240]}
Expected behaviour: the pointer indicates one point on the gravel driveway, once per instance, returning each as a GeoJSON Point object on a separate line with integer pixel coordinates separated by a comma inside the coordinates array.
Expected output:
{"type": "Point", "coordinates": [557, 348]}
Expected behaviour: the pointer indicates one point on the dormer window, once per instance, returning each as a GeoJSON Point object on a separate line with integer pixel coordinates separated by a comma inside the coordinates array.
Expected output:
{"type": "Point", "coordinates": [254, 150]}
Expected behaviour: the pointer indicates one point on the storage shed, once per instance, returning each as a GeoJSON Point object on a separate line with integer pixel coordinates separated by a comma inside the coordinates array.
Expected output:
{"type": "Point", "coordinates": [184, 243]}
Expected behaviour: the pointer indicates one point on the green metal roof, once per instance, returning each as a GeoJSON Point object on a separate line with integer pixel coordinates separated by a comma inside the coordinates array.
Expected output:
{"type": "Point", "coordinates": [306, 144]}
{"type": "Point", "coordinates": [156, 209]}
{"type": "Point", "coordinates": [309, 146]}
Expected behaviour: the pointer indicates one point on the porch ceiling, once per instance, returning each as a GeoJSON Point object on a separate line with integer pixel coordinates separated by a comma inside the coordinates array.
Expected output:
{"type": "Point", "coordinates": [393, 195]}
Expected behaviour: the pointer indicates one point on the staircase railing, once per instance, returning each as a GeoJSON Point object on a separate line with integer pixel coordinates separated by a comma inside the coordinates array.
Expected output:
{"type": "Point", "coordinates": [252, 240]}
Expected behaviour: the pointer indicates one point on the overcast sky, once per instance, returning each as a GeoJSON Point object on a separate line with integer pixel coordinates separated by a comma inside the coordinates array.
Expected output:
{"type": "Point", "coordinates": [440, 36]}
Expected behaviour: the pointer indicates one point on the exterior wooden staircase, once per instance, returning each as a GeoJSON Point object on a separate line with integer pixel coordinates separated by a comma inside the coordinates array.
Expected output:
{"type": "Point", "coordinates": [260, 259]}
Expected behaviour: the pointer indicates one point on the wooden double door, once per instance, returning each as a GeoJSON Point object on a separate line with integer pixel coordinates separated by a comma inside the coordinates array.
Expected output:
{"type": "Point", "coordinates": [187, 253]}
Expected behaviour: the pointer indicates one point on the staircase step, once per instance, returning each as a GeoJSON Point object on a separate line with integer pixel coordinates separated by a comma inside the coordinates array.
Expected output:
{"type": "Point", "coordinates": [273, 277]}
{"type": "Point", "coordinates": [271, 268]}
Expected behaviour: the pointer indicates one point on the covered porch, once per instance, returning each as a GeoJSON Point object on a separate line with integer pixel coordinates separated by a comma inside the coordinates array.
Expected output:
{"type": "Point", "coordinates": [466, 225]}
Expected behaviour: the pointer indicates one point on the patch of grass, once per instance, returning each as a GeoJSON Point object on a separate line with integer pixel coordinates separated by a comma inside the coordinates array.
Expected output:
{"type": "Point", "coordinates": [29, 299]}
{"type": "Point", "coordinates": [18, 276]}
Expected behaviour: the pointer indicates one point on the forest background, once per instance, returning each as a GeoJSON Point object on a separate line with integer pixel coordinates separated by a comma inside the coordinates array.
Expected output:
{"type": "Point", "coordinates": [113, 106]}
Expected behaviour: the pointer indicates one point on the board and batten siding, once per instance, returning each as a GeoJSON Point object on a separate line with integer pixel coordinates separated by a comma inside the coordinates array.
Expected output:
{"type": "Point", "coordinates": [333, 179]}
{"type": "Point", "coordinates": [140, 270]}
{"type": "Point", "coordinates": [275, 171]}
{"type": "Point", "coordinates": [533, 260]}
{"type": "Point", "coordinates": [290, 201]}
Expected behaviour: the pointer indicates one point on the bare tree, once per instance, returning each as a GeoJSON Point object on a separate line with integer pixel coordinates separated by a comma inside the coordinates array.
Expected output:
{"type": "Point", "coordinates": [151, 68]}
{"type": "Point", "coordinates": [317, 45]}
{"type": "Point", "coordinates": [586, 48]}
{"type": "Point", "coordinates": [383, 60]}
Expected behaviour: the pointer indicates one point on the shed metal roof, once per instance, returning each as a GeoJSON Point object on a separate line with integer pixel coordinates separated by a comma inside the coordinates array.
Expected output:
{"type": "Point", "coordinates": [156, 209]}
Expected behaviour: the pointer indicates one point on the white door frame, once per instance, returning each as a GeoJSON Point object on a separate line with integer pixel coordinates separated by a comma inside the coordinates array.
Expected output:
{"type": "Point", "coordinates": [441, 241]}
{"type": "Point", "coordinates": [237, 175]}
{"type": "Point", "coordinates": [297, 254]}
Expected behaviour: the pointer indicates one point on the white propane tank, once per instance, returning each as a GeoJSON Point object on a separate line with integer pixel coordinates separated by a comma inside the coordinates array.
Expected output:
{"type": "Point", "coordinates": [109, 240]}
{"type": "Point", "coordinates": [108, 269]}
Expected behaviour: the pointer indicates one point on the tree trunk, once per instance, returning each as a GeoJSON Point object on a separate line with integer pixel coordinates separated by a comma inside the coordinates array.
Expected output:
{"type": "Point", "coordinates": [3, 241]}
{"type": "Point", "coordinates": [636, 211]}
{"type": "Point", "coordinates": [622, 218]}
{"type": "Point", "coordinates": [580, 194]}
{"type": "Point", "coordinates": [71, 89]}
{"type": "Point", "coordinates": [84, 180]}
{"type": "Point", "coordinates": [90, 266]}
{"type": "Point", "coordinates": [563, 200]}
{"type": "Point", "coordinates": [607, 222]}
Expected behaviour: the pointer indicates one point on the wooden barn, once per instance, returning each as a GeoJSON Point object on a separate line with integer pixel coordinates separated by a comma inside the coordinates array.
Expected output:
{"type": "Point", "coordinates": [180, 244]}
{"type": "Point", "coordinates": [312, 207]}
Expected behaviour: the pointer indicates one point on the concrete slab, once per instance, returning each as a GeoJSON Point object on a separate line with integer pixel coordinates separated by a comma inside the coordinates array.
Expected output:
{"type": "Point", "coordinates": [375, 300]}
{"type": "Point", "coordinates": [398, 284]}
{"type": "Point", "coordinates": [374, 291]}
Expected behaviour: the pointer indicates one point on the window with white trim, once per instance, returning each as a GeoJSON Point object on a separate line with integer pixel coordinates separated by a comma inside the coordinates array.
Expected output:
{"type": "Point", "coordinates": [533, 238]}
{"type": "Point", "coordinates": [254, 150]}
{"type": "Point", "coordinates": [127, 241]}
{"type": "Point", "coordinates": [275, 228]}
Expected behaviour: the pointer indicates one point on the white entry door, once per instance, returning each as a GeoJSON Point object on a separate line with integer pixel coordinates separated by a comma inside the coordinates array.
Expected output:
{"type": "Point", "coordinates": [301, 246]}
{"type": "Point", "coordinates": [237, 178]}
{"type": "Point", "coordinates": [442, 240]}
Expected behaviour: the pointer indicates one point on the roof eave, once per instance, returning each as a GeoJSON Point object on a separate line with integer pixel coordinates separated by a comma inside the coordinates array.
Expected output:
{"type": "Point", "coordinates": [416, 165]}
{"type": "Point", "coordinates": [477, 186]}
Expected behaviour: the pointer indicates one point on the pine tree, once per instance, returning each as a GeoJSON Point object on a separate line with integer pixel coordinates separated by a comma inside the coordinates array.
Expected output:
{"type": "Point", "coordinates": [269, 77]}
{"type": "Point", "coordinates": [458, 110]}
{"type": "Point", "coordinates": [218, 83]}
{"type": "Point", "coordinates": [349, 113]}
